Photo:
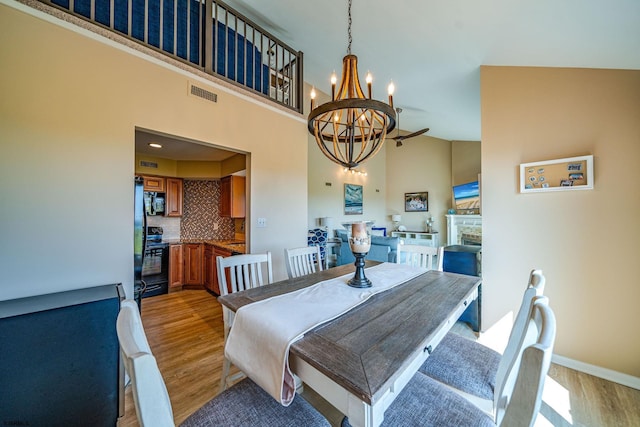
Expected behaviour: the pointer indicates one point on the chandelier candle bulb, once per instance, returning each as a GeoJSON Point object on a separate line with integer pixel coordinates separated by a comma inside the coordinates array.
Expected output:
{"type": "Point", "coordinates": [312, 95]}
{"type": "Point", "coordinates": [334, 79]}
{"type": "Point", "coordinates": [391, 88]}
{"type": "Point", "coordinates": [369, 79]}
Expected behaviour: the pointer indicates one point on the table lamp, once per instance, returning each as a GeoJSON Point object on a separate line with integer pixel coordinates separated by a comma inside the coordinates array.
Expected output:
{"type": "Point", "coordinates": [327, 222]}
{"type": "Point", "coordinates": [396, 220]}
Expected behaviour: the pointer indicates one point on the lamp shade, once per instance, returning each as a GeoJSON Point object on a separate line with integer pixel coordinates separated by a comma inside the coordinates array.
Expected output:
{"type": "Point", "coordinates": [326, 221]}
{"type": "Point", "coordinates": [396, 218]}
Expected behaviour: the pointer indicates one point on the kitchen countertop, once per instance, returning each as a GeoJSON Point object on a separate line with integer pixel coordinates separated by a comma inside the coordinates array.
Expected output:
{"type": "Point", "coordinates": [232, 245]}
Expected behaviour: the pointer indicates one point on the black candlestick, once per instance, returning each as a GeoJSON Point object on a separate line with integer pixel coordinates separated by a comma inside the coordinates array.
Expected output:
{"type": "Point", "coordinates": [359, 280]}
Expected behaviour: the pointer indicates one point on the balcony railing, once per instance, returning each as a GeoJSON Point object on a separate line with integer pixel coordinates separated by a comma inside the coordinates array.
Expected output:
{"type": "Point", "coordinates": [206, 34]}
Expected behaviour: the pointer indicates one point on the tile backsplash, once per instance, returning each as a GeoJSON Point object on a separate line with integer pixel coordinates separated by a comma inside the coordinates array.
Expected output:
{"type": "Point", "coordinates": [200, 215]}
{"type": "Point", "coordinates": [170, 226]}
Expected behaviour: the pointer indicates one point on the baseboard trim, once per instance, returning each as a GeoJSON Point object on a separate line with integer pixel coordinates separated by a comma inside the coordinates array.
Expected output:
{"type": "Point", "coordinates": [597, 371]}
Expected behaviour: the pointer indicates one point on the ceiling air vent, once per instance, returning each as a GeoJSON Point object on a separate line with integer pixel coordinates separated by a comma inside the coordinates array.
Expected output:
{"type": "Point", "coordinates": [146, 164]}
{"type": "Point", "coordinates": [202, 93]}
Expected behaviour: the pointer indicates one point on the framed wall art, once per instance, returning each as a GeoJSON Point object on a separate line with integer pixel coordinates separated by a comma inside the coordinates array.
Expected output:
{"type": "Point", "coordinates": [352, 199]}
{"type": "Point", "coordinates": [416, 202]}
{"type": "Point", "coordinates": [571, 173]}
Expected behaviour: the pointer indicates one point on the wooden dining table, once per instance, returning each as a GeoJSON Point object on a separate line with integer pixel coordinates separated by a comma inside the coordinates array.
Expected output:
{"type": "Point", "coordinates": [360, 361]}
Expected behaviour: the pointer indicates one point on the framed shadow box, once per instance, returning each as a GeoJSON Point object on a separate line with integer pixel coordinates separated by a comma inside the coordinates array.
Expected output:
{"type": "Point", "coordinates": [572, 173]}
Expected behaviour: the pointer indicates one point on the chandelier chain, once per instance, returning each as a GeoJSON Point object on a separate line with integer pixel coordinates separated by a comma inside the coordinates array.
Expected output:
{"type": "Point", "coordinates": [352, 127]}
{"type": "Point", "coordinates": [349, 30]}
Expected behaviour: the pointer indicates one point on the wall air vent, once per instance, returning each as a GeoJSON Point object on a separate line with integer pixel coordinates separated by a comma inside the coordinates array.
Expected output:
{"type": "Point", "coordinates": [146, 164]}
{"type": "Point", "coordinates": [202, 93]}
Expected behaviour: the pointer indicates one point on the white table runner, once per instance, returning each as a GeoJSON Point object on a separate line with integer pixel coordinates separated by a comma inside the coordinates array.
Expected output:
{"type": "Point", "coordinates": [263, 331]}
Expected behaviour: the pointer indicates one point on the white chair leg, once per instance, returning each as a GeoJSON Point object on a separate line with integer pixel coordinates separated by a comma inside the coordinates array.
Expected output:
{"type": "Point", "coordinates": [226, 365]}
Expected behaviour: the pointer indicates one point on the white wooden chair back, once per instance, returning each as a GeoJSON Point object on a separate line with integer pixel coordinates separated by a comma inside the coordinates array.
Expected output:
{"type": "Point", "coordinates": [303, 261]}
{"type": "Point", "coordinates": [535, 288]}
{"type": "Point", "coordinates": [420, 256]}
{"type": "Point", "coordinates": [153, 406]}
{"type": "Point", "coordinates": [245, 272]}
{"type": "Point", "coordinates": [519, 401]}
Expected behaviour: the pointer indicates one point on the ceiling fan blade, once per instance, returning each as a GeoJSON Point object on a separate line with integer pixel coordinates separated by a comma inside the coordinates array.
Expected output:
{"type": "Point", "coordinates": [400, 138]}
{"type": "Point", "coordinates": [420, 132]}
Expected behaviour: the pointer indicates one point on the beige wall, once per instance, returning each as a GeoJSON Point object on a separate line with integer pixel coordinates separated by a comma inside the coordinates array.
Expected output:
{"type": "Point", "coordinates": [165, 167]}
{"type": "Point", "coordinates": [585, 241]}
{"type": "Point", "coordinates": [199, 169]}
{"type": "Point", "coordinates": [70, 106]}
{"type": "Point", "coordinates": [190, 169]}
{"type": "Point", "coordinates": [465, 161]}
{"type": "Point", "coordinates": [422, 163]}
{"type": "Point", "coordinates": [328, 200]}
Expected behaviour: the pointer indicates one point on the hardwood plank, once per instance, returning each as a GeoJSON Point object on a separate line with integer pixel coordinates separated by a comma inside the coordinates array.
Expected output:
{"type": "Point", "coordinates": [347, 367]}
{"type": "Point", "coordinates": [591, 401]}
{"type": "Point", "coordinates": [185, 333]}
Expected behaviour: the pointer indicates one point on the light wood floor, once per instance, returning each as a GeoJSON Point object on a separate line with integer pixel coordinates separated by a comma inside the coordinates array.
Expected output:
{"type": "Point", "coordinates": [185, 333]}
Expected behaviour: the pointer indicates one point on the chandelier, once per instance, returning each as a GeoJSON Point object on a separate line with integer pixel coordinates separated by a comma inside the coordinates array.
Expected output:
{"type": "Point", "coordinates": [352, 127]}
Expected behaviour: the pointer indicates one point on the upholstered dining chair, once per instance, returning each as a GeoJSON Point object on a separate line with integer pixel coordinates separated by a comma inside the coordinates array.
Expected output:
{"type": "Point", "coordinates": [421, 256]}
{"type": "Point", "coordinates": [474, 370]}
{"type": "Point", "coordinates": [303, 261]}
{"type": "Point", "coordinates": [244, 404]}
{"type": "Point", "coordinates": [426, 402]}
{"type": "Point", "coordinates": [244, 272]}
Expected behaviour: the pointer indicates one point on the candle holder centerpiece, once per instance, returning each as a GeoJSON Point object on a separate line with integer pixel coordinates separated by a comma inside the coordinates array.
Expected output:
{"type": "Point", "coordinates": [360, 243]}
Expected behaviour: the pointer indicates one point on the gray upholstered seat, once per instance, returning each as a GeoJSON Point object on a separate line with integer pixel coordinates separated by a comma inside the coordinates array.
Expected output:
{"type": "Point", "coordinates": [246, 404]}
{"type": "Point", "coordinates": [425, 402]}
{"type": "Point", "coordinates": [475, 369]}
{"type": "Point", "coordinates": [465, 365]}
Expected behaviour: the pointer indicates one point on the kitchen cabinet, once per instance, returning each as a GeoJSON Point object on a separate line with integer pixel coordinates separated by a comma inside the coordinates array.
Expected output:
{"type": "Point", "coordinates": [193, 254]}
{"type": "Point", "coordinates": [209, 268]}
{"type": "Point", "coordinates": [174, 198]}
{"type": "Point", "coordinates": [154, 183]}
{"type": "Point", "coordinates": [223, 253]}
{"type": "Point", "coordinates": [232, 196]}
{"type": "Point", "coordinates": [176, 266]}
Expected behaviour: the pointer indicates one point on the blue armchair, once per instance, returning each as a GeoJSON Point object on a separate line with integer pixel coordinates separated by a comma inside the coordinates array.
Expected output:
{"type": "Point", "coordinates": [383, 249]}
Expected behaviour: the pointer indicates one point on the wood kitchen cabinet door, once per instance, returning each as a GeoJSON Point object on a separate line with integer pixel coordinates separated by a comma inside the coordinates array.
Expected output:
{"type": "Point", "coordinates": [174, 197]}
{"type": "Point", "coordinates": [216, 283]}
{"type": "Point", "coordinates": [232, 196]}
{"type": "Point", "coordinates": [154, 183]}
{"type": "Point", "coordinates": [193, 254]}
{"type": "Point", "coordinates": [176, 267]}
{"type": "Point", "coordinates": [210, 269]}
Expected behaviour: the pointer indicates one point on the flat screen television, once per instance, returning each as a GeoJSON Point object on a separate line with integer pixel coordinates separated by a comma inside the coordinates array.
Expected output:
{"type": "Point", "coordinates": [466, 197]}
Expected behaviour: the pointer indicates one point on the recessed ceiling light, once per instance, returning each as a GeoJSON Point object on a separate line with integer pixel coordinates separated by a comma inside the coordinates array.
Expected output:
{"type": "Point", "coordinates": [155, 145]}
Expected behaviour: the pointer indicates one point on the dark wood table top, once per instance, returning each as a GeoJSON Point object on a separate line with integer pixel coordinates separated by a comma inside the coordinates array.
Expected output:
{"type": "Point", "coordinates": [365, 349]}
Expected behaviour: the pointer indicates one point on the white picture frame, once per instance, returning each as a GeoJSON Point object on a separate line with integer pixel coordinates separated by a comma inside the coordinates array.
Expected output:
{"type": "Point", "coordinates": [571, 173]}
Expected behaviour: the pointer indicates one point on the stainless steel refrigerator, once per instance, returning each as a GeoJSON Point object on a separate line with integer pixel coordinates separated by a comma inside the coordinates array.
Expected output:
{"type": "Point", "coordinates": [139, 239]}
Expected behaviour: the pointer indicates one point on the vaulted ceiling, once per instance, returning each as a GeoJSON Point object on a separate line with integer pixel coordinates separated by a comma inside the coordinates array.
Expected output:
{"type": "Point", "coordinates": [433, 49]}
